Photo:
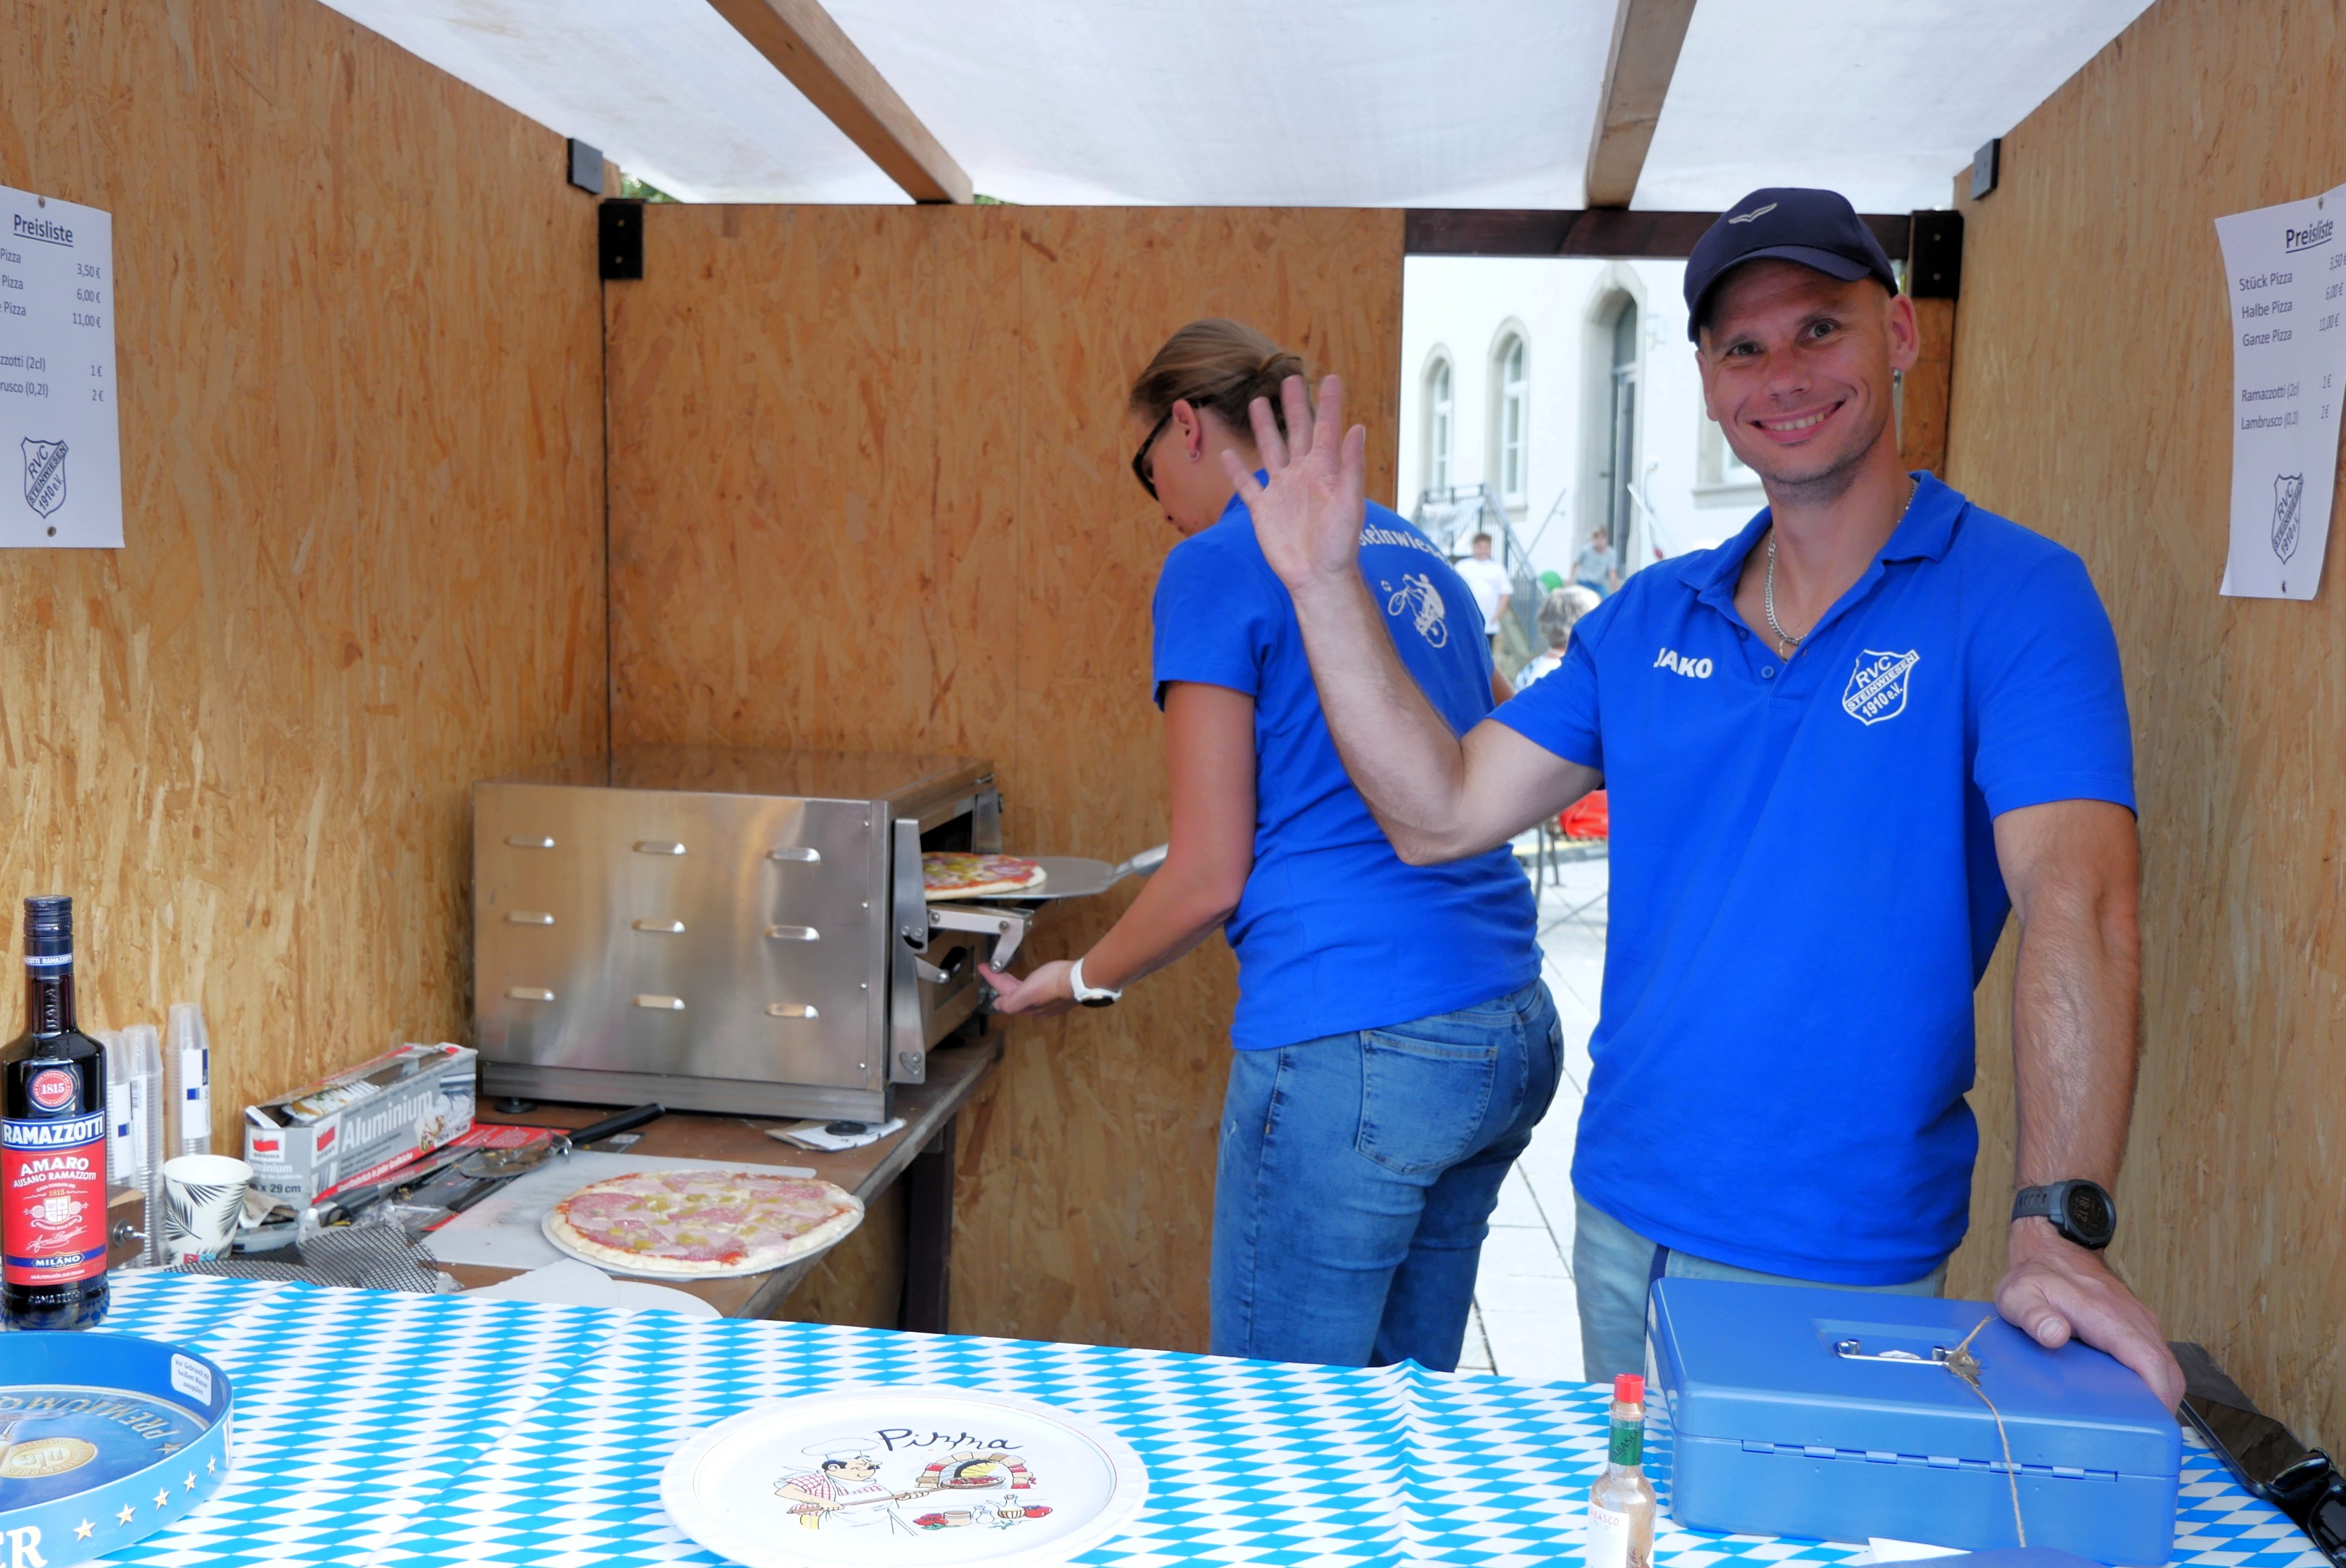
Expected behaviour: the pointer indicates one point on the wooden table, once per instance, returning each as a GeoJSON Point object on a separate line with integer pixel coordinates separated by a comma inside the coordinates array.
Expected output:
{"type": "Point", "coordinates": [921, 1152]}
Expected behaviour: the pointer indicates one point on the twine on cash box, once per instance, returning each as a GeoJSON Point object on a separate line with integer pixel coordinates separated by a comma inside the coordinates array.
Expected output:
{"type": "Point", "coordinates": [1967, 1370]}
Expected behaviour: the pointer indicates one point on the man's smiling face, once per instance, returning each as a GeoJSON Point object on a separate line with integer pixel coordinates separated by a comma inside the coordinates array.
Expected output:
{"type": "Point", "coordinates": [1797, 367]}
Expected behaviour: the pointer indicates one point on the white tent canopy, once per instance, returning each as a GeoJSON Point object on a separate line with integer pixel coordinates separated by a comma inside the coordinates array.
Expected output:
{"type": "Point", "coordinates": [1414, 103]}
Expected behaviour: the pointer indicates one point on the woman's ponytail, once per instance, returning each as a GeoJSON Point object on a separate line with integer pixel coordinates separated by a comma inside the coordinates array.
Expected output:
{"type": "Point", "coordinates": [1217, 364]}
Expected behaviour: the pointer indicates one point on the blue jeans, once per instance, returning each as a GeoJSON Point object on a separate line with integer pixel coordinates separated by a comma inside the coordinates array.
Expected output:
{"type": "Point", "coordinates": [1613, 1267]}
{"type": "Point", "coordinates": [1357, 1178]}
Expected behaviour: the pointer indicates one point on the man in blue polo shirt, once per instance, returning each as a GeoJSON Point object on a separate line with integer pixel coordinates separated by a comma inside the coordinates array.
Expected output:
{"type": "Point", "coordinates": [1839, 749]}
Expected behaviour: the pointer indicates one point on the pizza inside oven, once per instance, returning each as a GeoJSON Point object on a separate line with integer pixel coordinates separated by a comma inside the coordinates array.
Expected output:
{"type": "Point", "coordinates": [959, 874]}
{"type": "Point", "coordinates": [699, 1223]}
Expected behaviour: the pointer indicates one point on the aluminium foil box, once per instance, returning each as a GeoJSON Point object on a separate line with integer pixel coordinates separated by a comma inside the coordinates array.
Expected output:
{"type": "Point", "coordinates": [359, 1124]}
{"type": "Point", "coordinates": [1792, 1411]}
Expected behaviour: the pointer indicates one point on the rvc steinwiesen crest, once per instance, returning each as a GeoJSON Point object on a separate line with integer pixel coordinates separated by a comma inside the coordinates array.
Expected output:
{"type": "Point", "coordinates": [2288, 499]}
{"type": "Point", "coordinates": [45, 475]}
{"type": "Point", "coordinates": [1877, 687]}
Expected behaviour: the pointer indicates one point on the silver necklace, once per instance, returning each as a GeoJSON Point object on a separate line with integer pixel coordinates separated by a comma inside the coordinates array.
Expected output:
{"type": "Point", "coordinates": [1785, 641]}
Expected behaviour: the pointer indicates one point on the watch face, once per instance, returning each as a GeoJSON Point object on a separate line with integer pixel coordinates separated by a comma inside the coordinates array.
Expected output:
{"type": "Point", "coordinates": [2087, 1211]}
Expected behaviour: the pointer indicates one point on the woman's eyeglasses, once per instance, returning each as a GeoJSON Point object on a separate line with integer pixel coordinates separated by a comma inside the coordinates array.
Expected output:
{"type": "Point", "coordinates": [1140, 458]}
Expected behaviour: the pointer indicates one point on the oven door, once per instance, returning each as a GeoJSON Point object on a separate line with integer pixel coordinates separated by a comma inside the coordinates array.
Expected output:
{"type": "Point", "coordinates": [934, 987]}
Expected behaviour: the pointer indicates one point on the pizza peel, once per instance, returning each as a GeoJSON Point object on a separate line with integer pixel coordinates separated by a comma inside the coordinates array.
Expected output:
{"type": "Point", "coordinates": [1005, 915]}
{"type": "Point", "coordinates": [1065, 877]}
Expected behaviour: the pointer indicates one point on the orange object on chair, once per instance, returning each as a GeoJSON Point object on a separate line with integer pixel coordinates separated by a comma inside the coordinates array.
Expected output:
{"type": "Point", "coordinates": [1586, 818]}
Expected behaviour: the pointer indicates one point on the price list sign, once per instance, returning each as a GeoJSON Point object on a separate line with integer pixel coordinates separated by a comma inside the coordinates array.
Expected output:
{"type": "Point", "coordinates": [2285, 272]}
{"type": "Point", "coordinates": [60, 441]}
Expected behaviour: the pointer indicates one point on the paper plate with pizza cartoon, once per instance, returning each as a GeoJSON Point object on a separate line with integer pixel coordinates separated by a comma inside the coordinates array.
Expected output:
{"type": "Point", "coordinates": [884, 1477]}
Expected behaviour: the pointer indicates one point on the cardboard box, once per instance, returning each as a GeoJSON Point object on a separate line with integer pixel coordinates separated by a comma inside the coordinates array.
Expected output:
{"type": "Point", "coordinates": [361, 1124]}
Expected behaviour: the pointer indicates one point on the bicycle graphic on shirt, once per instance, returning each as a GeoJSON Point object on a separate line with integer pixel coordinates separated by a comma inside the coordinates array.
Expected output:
{"type": "Point", "coordinates": [1417, 595]}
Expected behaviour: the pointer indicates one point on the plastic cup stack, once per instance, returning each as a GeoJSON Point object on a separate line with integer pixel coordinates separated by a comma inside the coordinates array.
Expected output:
{"type": "Point", "coordinates": [145, 1067]}
{"type": "Point", "coordinates": [188, 1082]}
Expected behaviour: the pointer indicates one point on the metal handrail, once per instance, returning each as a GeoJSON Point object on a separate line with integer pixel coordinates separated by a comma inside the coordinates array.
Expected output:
{"type": "Point", "coordinates": [1490, 518]}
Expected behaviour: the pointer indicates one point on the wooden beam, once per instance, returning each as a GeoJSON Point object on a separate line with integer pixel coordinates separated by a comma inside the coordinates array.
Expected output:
{"type": "Point", "coordinates": [1925, 391]}
{"type": "Point", "coordinates": [806, 46]}
{"type": "Point", "coordinates": [1647, 36]}
{"type": "Point", "coordinates": [1605, 232]}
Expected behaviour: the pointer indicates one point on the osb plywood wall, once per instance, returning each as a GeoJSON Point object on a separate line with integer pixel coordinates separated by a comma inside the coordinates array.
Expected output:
{"type": "Point", "coordinates": [869, 490]}
{"type": "Point", "coordinates": [2092, 400]}
{"type": "Point", "coordinates": [359, 367]}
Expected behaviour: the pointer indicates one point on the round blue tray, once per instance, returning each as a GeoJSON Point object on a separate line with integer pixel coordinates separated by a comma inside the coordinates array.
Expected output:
{"type": "Point", "coordinates": [103, 1440]}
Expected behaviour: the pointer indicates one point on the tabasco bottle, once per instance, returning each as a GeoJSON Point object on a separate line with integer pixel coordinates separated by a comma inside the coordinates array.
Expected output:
{"type": "Point", "coordinates": [52, 1143]}
{"type": "Point", "coordinates": [1621, 1506]}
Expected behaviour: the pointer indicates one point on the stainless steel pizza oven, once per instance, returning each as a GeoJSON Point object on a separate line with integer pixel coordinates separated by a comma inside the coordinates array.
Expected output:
{"type": "Point", "coordinates": [728, 929]}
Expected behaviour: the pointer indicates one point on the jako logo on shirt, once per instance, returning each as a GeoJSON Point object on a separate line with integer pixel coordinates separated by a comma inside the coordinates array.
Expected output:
{"type": "Point", "coordinates": [1877, 687]}
{"type": "Point", "coordinates": [1416, 595]}
{"type": "Point", "coordinates": [1670, 658]}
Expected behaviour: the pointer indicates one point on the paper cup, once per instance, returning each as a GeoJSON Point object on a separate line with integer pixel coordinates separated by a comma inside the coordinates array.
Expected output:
{"type": "Point", "coordinates": [203, 1200]}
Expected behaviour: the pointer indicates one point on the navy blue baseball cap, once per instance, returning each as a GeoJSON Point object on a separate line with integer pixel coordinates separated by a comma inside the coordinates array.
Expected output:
{"type": "Point", "coordinates": [1817, 228]}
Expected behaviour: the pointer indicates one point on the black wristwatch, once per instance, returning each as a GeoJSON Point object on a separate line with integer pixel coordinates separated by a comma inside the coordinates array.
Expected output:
{"type": "Point", "coordinates": [2081, 1211]}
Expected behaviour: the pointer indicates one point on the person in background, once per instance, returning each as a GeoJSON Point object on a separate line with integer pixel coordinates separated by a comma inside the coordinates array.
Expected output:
{"type": "Point", "coordinates": [1488, 582]}
{"type": "Point", "coordinates": [1558, 613]}
{"type": "Point", "coordinates": [1395, 1045]}
{"type": "Point", "coordinates": [1593, 568]}
{"type": "Point", "coordinates": [1858, 734]}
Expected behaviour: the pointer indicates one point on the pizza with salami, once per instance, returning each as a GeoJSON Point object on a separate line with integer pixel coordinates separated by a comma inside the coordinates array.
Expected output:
{"type": "Point", "coordinates": [701, 1224]}
{"type": "Point", "coordinates": [956, 874]}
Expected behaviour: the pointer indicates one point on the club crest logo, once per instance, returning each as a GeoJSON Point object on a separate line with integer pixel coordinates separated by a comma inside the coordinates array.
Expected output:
{"type": "Point", "coordinates": [2288, 497]}
{"type": "Point", "coordinates": [45, 475]}
{"type": "Point", "coordinates": [1877, 687]}
{"type": "Point", "coordinates": [1417, 599]}
{"type": "Point", "coordinates": [52, 1088]}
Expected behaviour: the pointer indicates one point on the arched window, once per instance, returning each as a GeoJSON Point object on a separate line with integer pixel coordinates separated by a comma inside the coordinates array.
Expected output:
{"type": "Point", "coordinates": [1511, 422]}
{"type": "Point", "coordinates": [1621, 444]}
{"type": "Point", "coordinates": [1440, 423]}
{"type": "Point", "coordinates": [1610, 491]}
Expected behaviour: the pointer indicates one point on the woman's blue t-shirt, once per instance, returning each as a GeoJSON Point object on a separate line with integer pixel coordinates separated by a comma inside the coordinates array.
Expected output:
{"type": "Point", "coordinates": [1334, 933]}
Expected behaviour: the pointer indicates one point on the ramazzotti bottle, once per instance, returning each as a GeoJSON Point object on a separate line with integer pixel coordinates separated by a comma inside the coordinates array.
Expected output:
{"type": "Point", "coordinates": [52, 1144]}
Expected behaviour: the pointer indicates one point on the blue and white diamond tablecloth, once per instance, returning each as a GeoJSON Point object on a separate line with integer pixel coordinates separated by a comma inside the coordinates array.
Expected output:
{"type": "Point", "coordinates": [429, 1431]}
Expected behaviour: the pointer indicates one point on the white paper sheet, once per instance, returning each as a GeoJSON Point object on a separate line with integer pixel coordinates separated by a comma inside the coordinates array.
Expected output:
{"type": "Point", "coordinates": [2285, 273]}
{"type": "Point", "coordinates": [59, 438]}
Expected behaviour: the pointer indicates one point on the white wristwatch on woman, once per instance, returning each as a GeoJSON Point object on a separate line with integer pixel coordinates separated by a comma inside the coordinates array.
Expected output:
{"type": "Point", "coordinates": [1089, 995]}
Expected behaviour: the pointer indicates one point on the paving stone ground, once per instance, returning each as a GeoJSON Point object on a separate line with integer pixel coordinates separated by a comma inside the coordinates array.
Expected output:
{"type": "Point", "coordinates": [1525, 1323]}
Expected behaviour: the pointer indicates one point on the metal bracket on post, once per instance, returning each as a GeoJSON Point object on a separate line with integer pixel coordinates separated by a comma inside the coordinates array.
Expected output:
{"type": "Point", "coordinates": [586, 167]}
{"type": "Point", "coordinates": [1935, 256]}
{"type": "Point", "coordinates": [1987, 167]}
{"type": "Point", "coordinates": [619, 226]}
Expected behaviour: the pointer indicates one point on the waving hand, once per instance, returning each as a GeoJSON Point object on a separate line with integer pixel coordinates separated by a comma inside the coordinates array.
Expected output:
{"type": "Point", "coordinates": [1308, 517]}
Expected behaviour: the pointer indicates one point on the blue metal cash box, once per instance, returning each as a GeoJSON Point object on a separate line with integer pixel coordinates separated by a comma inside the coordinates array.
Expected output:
{"type": "Point", "coordinates": [1787, 1410]}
